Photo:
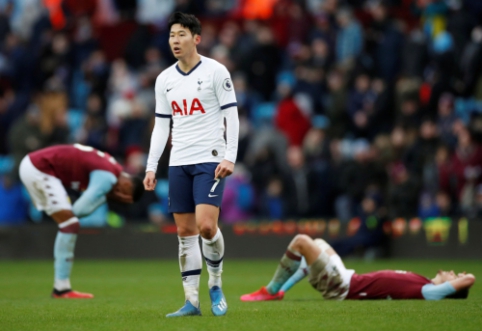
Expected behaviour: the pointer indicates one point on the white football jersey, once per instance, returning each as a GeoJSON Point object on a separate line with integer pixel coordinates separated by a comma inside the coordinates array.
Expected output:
{"type": "Point", "coordinates": [195, 101]}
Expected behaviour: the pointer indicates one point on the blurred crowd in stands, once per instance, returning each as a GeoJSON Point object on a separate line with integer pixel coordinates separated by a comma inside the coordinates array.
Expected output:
{"type": "Point", "coordinates": [347, 108]}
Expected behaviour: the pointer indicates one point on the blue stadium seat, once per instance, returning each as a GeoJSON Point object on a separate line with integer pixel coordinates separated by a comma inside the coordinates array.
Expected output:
{"type": "Point", "coordinates": [466, 107]}
{"type": "Point", "coordinates": [263, 114]}
{"type": "Point", "coordinates": [162, 193]}
{"type": "Point", "coordinates": [34, 214]}
{"type": "Point", "coordinates": [162, 189]}
{"type": "Point", "coordinates": [13, 209]}
{"type": "Point", "coordinates": [76, 119]}
{"type": "Point", "coordinates": [6, 164]}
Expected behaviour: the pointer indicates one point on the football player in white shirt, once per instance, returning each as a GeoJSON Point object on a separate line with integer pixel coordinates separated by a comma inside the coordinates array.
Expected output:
{"type": "Point", "coordinates": [198, 95]}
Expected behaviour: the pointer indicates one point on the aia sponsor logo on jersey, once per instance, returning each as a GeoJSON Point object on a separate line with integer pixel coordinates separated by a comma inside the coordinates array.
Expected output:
{"type": "Point", "coordinates": [194, 106]}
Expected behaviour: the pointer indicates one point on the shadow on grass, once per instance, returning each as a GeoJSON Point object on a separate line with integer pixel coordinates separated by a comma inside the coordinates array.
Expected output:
{"type": "Point", "coordinates": [303, 300]}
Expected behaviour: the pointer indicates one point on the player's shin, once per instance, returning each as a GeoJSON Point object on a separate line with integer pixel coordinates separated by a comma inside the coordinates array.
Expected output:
{"type": "Point", "coordinates": [301, 273]}
{"type": "Point", "coordinates": [213, 251]}
{"type": "Point", "coordinates": [288, 265]}
{"type": "Point", "coordinates": [190, 262]}
{"type": "Point", "coordinates": [64, 253]}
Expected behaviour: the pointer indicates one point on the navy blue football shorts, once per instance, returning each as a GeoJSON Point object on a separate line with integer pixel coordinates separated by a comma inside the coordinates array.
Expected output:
{"type": "Point", "coordinates": [194, 184]}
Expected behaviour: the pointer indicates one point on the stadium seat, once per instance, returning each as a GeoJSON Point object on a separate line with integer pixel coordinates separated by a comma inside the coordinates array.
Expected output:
{"type": "Point", "coordinates": [263, 114]}
{"type": "Point", "coordinates": [162, 189]}
{"type": "Point", "coordinates": [466, 107]}
{"type": "Point", "coordinates": [76, 119]}
{"type": "Point", "coordinates": [6, 164]}
{"type": "Point", "coordinates": [34, 214]}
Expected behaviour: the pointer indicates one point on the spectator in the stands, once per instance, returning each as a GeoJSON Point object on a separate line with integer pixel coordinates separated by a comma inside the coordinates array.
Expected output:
{"type": "Point", "coordinates": [349, 40]}
{"type": "Point", "coordinates": [447, 119]}
{"type": "Point", "coordinates": [466, 166]}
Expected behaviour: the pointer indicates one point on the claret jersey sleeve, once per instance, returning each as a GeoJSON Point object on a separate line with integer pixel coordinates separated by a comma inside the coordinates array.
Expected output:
{"type": "Point", "coordinates": [224, 88]}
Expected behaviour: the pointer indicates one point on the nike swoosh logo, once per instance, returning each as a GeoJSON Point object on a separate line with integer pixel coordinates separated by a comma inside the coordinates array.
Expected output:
{"type": "Point", "coordinates": [169, 89]}
{"type": "Point", "coordinates": [212, 196]}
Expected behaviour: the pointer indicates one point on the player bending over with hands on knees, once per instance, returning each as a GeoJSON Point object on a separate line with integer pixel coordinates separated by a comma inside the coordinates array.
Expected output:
{"type": "Point", "coordinates": [328, 275]}
{"type": "Point", "coordinates": [197, 94]}
{"type": "Point", "coordinates": [47, 173]}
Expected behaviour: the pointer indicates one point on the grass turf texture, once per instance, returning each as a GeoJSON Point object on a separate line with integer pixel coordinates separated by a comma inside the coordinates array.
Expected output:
{"type": "Point", "coordinates": [136, 295]}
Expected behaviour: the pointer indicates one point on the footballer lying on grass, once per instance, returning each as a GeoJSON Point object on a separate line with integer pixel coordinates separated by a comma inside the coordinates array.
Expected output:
{"type": "Point", "coordinates": [328, 275]}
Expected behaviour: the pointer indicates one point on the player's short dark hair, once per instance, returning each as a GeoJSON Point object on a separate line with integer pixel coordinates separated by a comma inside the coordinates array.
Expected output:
{"type": "Point", "coordinates": [186, 20]}
{"type": "Point", "coordinates": [460, 294]}
{"type": "Point", "coordinates": [137, 188]}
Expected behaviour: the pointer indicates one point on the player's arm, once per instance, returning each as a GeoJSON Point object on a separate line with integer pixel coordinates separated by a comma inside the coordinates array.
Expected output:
{"type": "Point", "coordinates": [463, 281]}
{"type": "Point", "coordinates": [100, 183]}
{"type": "Point", "coordinates": [440, 291]}
{"type": "Point", "coordinates": [159, 136]}
{"type": "Point", "coordinates": [226, 167]}
{"type": "Point", "coordinates": [437, 292]}
{"type": "Point", "coordinates": [227, 100]}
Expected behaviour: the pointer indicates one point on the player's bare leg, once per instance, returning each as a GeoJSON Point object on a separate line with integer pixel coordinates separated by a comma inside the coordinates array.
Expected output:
{"type": "Point", "coordinates": [190, 263]}
{"type": "Point", "coordinates": [300, 246]}
{"type": "Point", "coordinates": [310, 248]}
{"type": "Point", "coordinates": [213, 241]}
{"type": "Point", "coordinates": [213, 251]}
{"type": "Point", "coordinates": [64, 255]}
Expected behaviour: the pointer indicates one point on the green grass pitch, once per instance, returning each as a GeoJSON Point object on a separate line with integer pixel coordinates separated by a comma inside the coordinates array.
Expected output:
{"type": "Point", "coordinates": [136, 295]}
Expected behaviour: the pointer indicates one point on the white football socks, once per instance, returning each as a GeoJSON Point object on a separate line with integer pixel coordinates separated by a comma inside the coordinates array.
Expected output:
{"type": "Point", "coordinates": [190, 262]}
{"type": "Point", "coordinates": [213, 251]}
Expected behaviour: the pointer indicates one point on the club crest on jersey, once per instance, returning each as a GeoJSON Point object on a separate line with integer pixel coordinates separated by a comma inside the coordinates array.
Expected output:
{"type": "Point", "coordinates": [199, 81]}
{"type": "Point", "coordinates": [196, 106]}
{"type": "Point", "coordinates": [227, 84]}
